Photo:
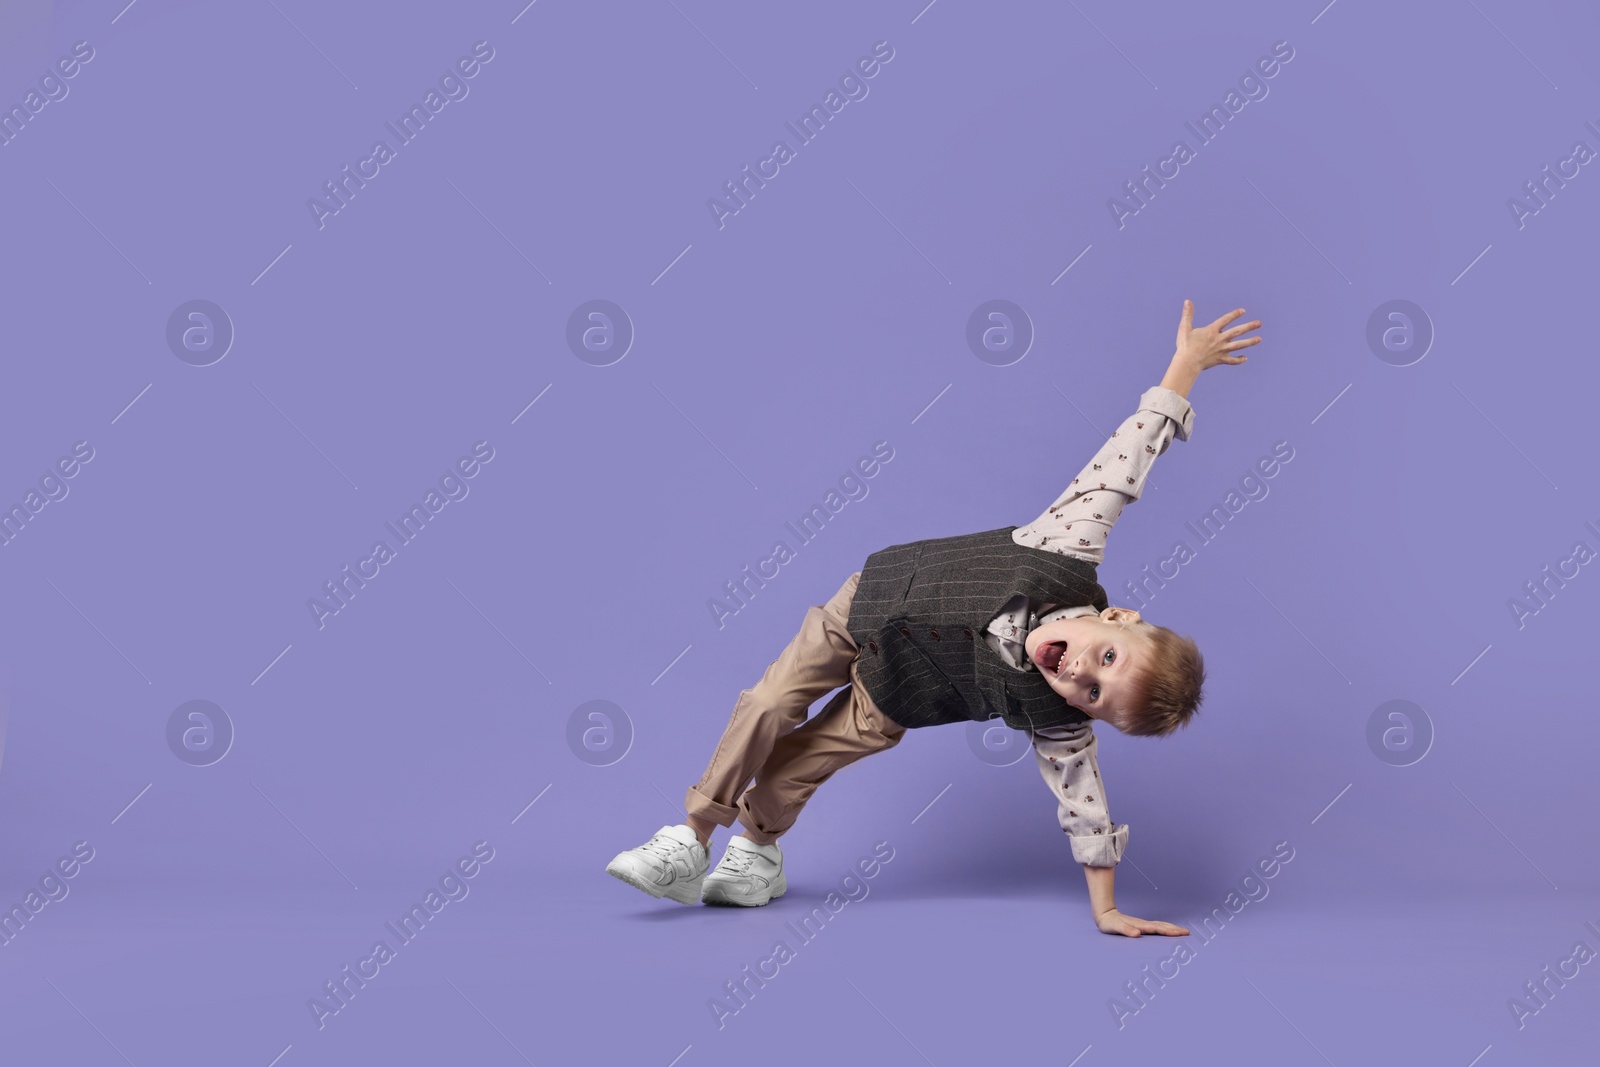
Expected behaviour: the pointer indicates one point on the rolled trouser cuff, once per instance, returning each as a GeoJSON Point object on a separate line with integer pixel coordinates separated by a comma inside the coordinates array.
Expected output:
{"type": "Point", "coordinates": [698, 804]}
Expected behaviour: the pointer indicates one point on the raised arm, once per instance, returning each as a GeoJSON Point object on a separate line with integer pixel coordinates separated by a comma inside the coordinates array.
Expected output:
{"type": "Point", "coordinates": [1079, 521]}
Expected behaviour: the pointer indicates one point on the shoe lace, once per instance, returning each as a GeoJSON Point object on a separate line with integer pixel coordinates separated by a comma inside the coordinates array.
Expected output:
{"type": "Point", "coordinates": [663, 846]}
{"type": "Point", "coordinates": [736, 861]}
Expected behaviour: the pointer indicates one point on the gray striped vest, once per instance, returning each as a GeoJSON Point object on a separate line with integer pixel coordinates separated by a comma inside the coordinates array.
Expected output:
{"type": "Point", "coordinates": [919, 614]}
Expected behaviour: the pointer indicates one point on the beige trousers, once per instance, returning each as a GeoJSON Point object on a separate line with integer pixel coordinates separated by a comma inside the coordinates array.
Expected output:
{"type": "Point", "coordinates": [769, 737]}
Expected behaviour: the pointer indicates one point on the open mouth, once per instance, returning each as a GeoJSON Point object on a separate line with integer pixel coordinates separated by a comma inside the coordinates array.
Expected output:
{"type": "Point", "coordinates": [1051, 656]}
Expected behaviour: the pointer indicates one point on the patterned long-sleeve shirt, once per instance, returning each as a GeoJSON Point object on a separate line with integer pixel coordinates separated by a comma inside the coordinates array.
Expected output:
{"type": "Point", "coordinates": [1077, 524]}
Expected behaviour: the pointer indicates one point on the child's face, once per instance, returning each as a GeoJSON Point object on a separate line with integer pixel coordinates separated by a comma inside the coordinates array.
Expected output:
{"type": "Point", "coordinates": [1088, 659]}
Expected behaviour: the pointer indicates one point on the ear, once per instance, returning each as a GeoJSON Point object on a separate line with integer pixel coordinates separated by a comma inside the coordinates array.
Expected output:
{"type": "Point", "coordinates": [1120, 615]}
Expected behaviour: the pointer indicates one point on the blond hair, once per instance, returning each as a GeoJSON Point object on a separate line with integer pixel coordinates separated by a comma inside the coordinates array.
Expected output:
{"type": "Point", "coordinates": [1167, 685]}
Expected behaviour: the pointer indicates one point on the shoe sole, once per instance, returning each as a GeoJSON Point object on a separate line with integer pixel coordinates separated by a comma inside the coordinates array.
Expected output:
{"type": "Point", "coordinates": [678, 892]}
{"type": "Point", "coordinates": [712, 894]}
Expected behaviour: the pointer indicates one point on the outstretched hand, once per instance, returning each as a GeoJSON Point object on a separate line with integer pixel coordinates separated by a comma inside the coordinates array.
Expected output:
{"type": "Point", "coordinates": [1114, 922]}
{"type": "Point", "coordinates": [1208, 346]}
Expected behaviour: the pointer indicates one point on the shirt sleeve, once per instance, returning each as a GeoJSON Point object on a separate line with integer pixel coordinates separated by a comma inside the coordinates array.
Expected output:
{"type": "Point", "coordinates": [1080, 520]}
{"type": "Point", "coordinates": [1066, 757]}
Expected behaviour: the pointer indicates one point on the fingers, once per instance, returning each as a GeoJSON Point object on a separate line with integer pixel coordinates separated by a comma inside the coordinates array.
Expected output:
{"type": "Point", "coordinates": [1131, 927]}
{"type": "Point", "coordinates": [1228, 335]}
{"type": "Point", "coordinates": [1246, 343]}
{"type": "Point", "coordinates": [1229, 317]}
{"type": "Point", "coordinates": [1187, 322]}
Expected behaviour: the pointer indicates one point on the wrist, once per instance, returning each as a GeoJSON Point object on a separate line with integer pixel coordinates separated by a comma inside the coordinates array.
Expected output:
{"type": "Point", "coordinates": [1180, 376]}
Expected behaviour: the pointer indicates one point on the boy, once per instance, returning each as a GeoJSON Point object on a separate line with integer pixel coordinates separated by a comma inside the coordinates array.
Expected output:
{"type": "Point", "coordinates": [1005, 623]}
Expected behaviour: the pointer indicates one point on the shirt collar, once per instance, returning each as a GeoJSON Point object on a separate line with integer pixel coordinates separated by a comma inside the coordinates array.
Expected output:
{"type": "Point", "coordinates": [1065, 613]}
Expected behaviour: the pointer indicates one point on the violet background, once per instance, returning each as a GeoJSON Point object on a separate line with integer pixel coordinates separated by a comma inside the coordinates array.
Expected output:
{"type": "Point", "coordinates": [770, 355]}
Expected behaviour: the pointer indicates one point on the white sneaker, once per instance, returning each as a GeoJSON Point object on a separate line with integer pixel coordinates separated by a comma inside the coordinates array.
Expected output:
{"type": "Point", "coordinates": [671, 864]}
{"type": "Point", "coordinates": [749, 874]}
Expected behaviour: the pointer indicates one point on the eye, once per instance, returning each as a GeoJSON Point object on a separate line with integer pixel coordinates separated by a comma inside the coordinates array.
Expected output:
{"type": "Point", "coordinates": [1094, 693]}
{"type": "Point", "coordinates": [1111, 655]}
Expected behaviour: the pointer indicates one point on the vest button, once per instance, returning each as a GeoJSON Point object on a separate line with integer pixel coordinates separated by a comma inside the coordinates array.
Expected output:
{"type": "Point", "coordinates": [967, 630]}
{"type": "Point", "coordinates": [874, 646]}
{"type": "Point", "coordinates": [906, 632]}
{"type": "Point", "coordinates": [934, 634]}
